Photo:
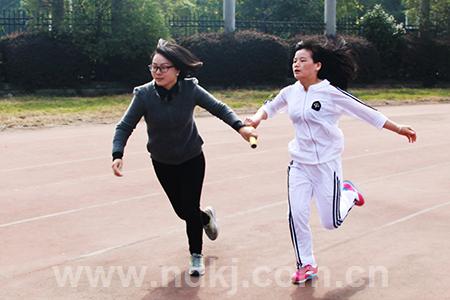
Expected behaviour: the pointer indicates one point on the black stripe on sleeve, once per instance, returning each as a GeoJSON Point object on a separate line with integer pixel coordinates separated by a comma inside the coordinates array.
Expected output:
{"type": "Point", "coordinates": [354, 98]}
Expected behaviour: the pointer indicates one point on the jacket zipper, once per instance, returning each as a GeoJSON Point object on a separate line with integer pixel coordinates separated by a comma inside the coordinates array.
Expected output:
{"type": "Point", "coordinates": [309, 128]}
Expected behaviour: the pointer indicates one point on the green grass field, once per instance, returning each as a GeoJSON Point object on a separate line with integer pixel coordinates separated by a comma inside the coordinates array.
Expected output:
{"type": "Point", "coordinates": [37, 111]}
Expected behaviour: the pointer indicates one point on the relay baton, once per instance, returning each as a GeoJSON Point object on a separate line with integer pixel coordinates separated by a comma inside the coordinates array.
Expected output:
{"type": "Point", "coordinates": [253, 142]}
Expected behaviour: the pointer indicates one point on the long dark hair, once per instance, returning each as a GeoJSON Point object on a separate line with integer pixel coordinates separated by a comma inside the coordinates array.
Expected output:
{"type": "Point", "coordinates": [338, 64]}
{"type": "Point", "coordinates": [181, 57]}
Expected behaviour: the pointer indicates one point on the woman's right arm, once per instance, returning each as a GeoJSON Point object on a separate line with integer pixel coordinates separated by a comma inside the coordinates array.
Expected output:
{"type": "Point", "coordinates": [124, 129]}
{"type": "Point", "coordinates": [256, 118]}
{"type": "Point", "coordinates": [269, 109]}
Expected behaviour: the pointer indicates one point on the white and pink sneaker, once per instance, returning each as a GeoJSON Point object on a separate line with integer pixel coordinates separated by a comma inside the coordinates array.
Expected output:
{"type": "Point", "coordinates": [304, 274]}
{"type": "Point", "coordinates": [349, 186]}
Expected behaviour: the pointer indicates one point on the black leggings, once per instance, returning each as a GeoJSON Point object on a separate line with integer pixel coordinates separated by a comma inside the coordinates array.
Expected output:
{"type": "Point", "coordinates": [183, 185]}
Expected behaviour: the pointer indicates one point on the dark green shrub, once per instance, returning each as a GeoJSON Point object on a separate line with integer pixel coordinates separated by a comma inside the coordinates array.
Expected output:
{"type": "Point", "coordinates": [426, 60]}
{"type": "Point", "coordinates": [34, 61]}
{"type": "Point", "coordinates": [2, 62]}
{"type": "Point", "coordinates": [367, 59]}
{"type": "Point", "coordinates": [239, 59]}
{"type": "Point", "coordinates": [130, 71]}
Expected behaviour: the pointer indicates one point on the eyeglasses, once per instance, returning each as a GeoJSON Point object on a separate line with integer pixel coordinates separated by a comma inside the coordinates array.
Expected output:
{"type": "Point", "coordinates": [162, 69]}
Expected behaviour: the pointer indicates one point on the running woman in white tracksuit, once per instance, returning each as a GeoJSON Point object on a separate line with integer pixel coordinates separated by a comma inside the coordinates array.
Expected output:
{"type": "Point", "coordinates": [314, 106]}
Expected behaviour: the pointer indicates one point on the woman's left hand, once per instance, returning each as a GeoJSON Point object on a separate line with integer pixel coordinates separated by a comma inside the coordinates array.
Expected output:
{"type": "Point", "coordinates": [408, 132]}
{"type": "Point", "coordinates": [247, 131]}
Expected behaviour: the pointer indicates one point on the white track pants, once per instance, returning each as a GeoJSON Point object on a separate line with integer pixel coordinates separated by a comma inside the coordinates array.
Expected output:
{"type": "Point", "coordinates": [323, 182]}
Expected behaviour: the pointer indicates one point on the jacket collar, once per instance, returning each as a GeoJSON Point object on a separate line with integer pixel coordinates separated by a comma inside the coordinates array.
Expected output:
{"type": "Point", "coordinates": [314, 87]}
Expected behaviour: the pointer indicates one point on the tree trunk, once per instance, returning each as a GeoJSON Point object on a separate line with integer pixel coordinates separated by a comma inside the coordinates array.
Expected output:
{"type": "Point", "coordinates": [57, 10]}
{"type": "Point", "coordinates": [116, 14]}
{"type": "Point", "coordinates": [424, 25]}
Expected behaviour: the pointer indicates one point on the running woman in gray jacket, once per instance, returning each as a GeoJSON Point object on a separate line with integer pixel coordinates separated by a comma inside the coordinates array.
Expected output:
{"type": "Point", "coordinates": [315, 102]}
{"type": "Point", "coordinates": [167, 104]}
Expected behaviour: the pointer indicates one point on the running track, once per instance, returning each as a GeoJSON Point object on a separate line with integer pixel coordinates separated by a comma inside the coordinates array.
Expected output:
{"type": "Point", "coordinates": [62, 209]}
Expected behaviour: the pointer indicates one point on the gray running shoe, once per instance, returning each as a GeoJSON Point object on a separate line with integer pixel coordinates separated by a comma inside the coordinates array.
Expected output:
{"type": "Point", "coordinates": [211, 229]}
{"type": "Point", "coordinates": [196, 265]}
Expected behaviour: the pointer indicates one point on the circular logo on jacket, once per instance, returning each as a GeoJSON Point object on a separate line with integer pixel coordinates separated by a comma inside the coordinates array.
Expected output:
{"type": "Point", "coordinates": [316, 105]}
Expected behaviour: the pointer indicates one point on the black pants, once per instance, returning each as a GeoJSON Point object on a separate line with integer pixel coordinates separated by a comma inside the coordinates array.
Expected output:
{"type": "Point", "coordinates": [183, 185]}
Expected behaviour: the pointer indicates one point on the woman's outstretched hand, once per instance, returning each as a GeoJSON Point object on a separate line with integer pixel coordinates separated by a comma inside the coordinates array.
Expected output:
{"type": "Point", "coordinates": [117, 167]}
{"type": "Point", "coordinates": [252, 121]}
{"type": "Point", "coordinates": [405, 130]}
{"type": "Point", "coordinates": [408, 132]}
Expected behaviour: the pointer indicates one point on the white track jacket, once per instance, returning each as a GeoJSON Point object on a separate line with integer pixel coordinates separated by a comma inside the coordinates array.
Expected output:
{"type": "Point", "coordinates": [315, 114]}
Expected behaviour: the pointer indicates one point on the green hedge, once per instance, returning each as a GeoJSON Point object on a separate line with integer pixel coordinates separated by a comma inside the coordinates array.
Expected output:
{"type": "Point", "coordinates": [426, 61]}
{"type": "Point", "coordinates": [239, 59]}
{"type": "Point", "coordinates": [33, 61]}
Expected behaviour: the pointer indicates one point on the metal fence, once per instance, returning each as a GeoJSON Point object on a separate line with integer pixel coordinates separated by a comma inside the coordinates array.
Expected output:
{"type": "Point", "coordinates": [12, 21]}
{"type": "Point", "coordinates": [15, 21]}
{"type": "Point", "coordinates": [189, 26]}
{"type": "Point", "coordinates": [285, 29]}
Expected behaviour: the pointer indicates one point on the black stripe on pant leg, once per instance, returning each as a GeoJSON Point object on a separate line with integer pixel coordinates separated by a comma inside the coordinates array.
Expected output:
{"type": "Point", "coordinates": [341, 220]}
{"type": "Point", "coordinates": [334, 201]}
{"type": "Point", "coordinates": [292, 227]}
{"type": "Point", "coordinates": [338, 202]}
{"type": "Point", "coordinates": [294, 241]}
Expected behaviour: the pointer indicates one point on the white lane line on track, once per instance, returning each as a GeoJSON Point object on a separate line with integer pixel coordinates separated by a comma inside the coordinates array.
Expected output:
{"type": "Point", "coordinates": [101, 251]}
{"type": "Point", "coordinates": [71, 211]}
{"type": "Point", "coordinates": [176, 230]}
{"type": "Point", "coordinates": [387, 225]}
{"type": "Point", "coordinates": [102, 157]}
{"type": "Point", "coordinates": [268, 206]}
{"type": "Point", "coordinates": [262, 152]}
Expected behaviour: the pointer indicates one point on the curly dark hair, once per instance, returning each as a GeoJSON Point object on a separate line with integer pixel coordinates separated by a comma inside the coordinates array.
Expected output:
{"type": "Point", "coordinates": [338, 64]}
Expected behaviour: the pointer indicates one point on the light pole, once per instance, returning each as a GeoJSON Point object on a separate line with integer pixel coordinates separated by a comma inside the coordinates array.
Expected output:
{"type": "Point", "coordinates": [330, 17]}
{"type": "Point", "coordinates": [229, 12]}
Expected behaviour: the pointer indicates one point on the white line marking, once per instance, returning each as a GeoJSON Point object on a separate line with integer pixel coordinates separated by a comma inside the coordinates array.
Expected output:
{"type": "Point", "coordinates": [376, 229]}
{"type": "Point", "coordinates": [101, 251]}
{"type": "Point", "coordinates": [103, 157]}
{"type": "Point", "coordinates": [274, 204]}
{"type": "Point", "coordinates": [71, 211]}
{"type": "Point", "coordinates": [66, 212]}
{"type": "Point", "coordinates": [176, 230]}
{"type": "Point", "coordinates": [262, 152]}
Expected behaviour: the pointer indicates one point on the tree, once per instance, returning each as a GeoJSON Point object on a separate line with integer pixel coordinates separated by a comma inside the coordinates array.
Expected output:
{"type": "Point", "coordinates": [424, 19]}
{"type": "Point", "coordinates": [381, 29]}
{"type": "Point", "coordinates": [133, 29]}
{"type": "Point", "coordinates": [287, 10]}
{"type": "Point", "coordinates": [349, 9]}
{"type": "Point", "coordinates": [190, 8]}
{"type": "Point", "coordinates": [9, 4]}
{"type": "Point", "coordinates": [428, 14]}
{"type": "Point", "coordinates": [392, 7]}
{"type": "Point", "coordinates": [57, 13]}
